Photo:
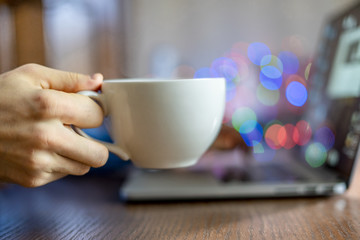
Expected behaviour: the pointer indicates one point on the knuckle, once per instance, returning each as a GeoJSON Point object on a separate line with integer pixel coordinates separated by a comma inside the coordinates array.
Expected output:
{"type": "Point", "coordinates": [7, 78]}
{"type": "Point", "coordinates": [17, 76]}
{"type": "Point", "coordinates": [34, 181]}
{"type": "Point", "coordinates": [37, 182]}
{"type": "Point", "coordinates": [30, 68]}
{"type": "Point", "coordinates": [41, 137]}
{"type": "Point", "coordinates": [34, 162]}
{"type": "Point", "coordinates": [43, 104]}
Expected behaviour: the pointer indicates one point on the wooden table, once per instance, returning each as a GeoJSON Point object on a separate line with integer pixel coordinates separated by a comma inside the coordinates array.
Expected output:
{"type": "Point", "coordinates": [89, 208]}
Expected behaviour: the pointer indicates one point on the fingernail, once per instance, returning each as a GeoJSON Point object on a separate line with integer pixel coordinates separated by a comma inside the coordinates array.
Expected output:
{"type": "Point", "coordinates": [97, 77]}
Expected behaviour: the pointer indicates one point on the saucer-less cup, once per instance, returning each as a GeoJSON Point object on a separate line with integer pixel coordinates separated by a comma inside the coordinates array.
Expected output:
{"type": "Point", "coordinates": [161, 123]}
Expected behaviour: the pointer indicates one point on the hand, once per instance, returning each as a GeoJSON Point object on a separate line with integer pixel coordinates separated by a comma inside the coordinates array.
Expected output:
{"type": "Point", "coordinates": [229, 138]}
{"type": "Point", "coordinates": [37, 145]}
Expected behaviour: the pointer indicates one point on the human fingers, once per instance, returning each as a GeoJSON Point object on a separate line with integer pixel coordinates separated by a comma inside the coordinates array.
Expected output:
{"type": "Point", "coordinates": [81, 149]}
{"type": "Point", "coordinates": [53, 136]}
{"type": "Point", "coordinates": [70, 108]}
{"type": "Point", "coordinates": [68, 166]}
{"type": "Point", "coordinates": [33, 168]}
{"type": "Point", "coordinates": [50, 162]}
{"type": "Point", "coordinates": [48, 78]}
{"type": "Point", "coordinates": [19, 127]}
{"type": "Point", "coordinates": [13, 172]}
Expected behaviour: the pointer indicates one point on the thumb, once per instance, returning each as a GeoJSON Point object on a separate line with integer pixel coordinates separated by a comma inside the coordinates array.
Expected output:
{"type": "Point", "coordinates": [48, 78]}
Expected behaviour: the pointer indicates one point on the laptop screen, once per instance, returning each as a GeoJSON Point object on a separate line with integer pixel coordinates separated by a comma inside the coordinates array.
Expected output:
{"type": "Point", "coordinates": [281, 103]}
{"type": "Point", "coordinates": [334, 99]}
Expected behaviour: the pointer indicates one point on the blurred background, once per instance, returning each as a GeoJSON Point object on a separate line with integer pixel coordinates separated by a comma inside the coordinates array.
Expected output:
{"type": "Point", "coordinates": [263, 48]}
{"type": "Point", "coordinates": [138, 38]}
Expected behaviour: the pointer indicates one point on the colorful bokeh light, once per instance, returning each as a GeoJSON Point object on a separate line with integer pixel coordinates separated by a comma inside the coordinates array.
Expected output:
{"type": "Point", "coordinates": [307, 71]}
{"type": "Point", "coordinates": [256, 51]}
{"type": "Point", "coordinates": [271, 60]}
{"type": "Point", "coordinates": [289, 61]}
{"type": "Point", "coordinates": [274, 136]}
{"type": "Point", "coordinates": [263, 153]}
{"type": "Point", "coordinates": [251, 132]}
{"type": "Point", "coordinates": [250, 102]}
{"type": "Point", "coordinates": [325, 136]}
{"type": "Point", "coordinates": [295, 78]}
{"type": "Point", "coordinates": [230, 94]}
{"type": "Point", "coordinates": [242, 65]}
{"type": "Point", "coordinates": [315, 154]}
{"type": "Point", "coordinates": [271, 72]}
{"type": "Point", "coordinates": [287, 132]}
{"type": "Point", "coordinates": [204, 72]}
{"type": "Point", "coordinates": [244, 115]}
{"type": "Point", "coordinates": [302, 133]}
{"type": "Point", "coordinates": [225, 68]}
{"type": "Point", "coordinates": [266, 96]}
{"type": "Point", "coordinates": [221, 62]}
{"type": "Point", "coordinates": [258, 149]}
{"type": "Point", "coordinates": [296, 94]}
{"type": "Point", "coordinates": [271, 83]}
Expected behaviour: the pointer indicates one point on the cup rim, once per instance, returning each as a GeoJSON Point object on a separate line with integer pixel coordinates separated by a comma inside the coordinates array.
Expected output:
{"type": "Point", "coordinates": [157, 80]}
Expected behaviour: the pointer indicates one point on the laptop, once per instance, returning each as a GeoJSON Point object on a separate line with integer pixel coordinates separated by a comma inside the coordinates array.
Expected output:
{"type": "Point", "coordinates": [321, 149]}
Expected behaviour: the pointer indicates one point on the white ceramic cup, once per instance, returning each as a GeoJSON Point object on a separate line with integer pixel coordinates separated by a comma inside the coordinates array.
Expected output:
{"type": "Point", "coordinates": [161, 123]}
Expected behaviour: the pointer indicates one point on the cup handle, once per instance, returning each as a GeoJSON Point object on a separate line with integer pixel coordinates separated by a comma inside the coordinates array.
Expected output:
{"type": "Point", "coordinates": [111, 147]}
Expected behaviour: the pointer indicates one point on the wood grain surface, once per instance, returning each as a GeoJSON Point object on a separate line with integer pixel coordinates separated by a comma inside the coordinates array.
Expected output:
{"type": "Point", "coordinates": [89, 208]}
